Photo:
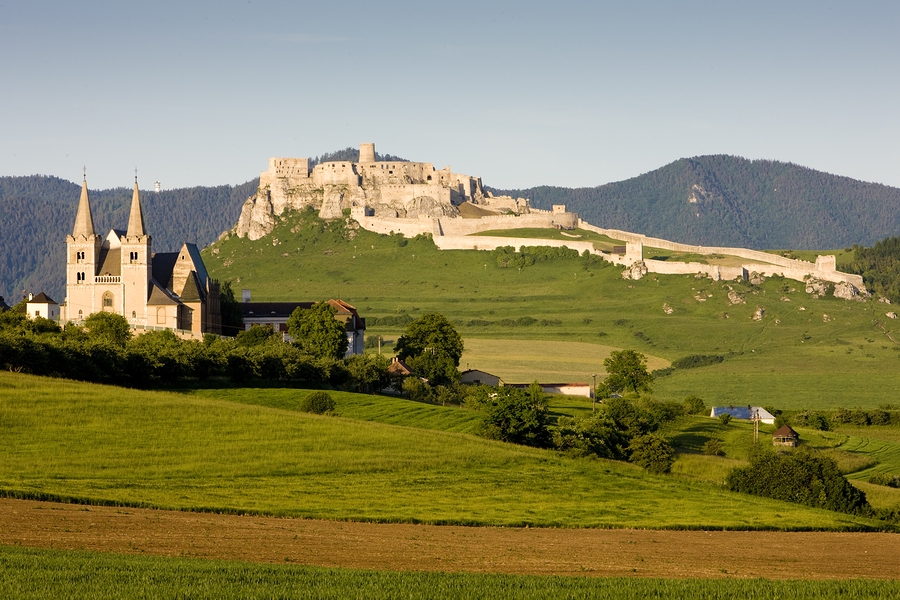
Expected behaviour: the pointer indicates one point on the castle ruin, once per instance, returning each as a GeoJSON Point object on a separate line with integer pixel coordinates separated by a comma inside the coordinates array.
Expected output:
{"type": "Point", "coordinates": [382, 189]}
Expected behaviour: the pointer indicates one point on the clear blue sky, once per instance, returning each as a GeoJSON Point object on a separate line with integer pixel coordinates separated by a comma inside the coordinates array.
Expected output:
{"type": "Point", "coordinates": [520, 93]}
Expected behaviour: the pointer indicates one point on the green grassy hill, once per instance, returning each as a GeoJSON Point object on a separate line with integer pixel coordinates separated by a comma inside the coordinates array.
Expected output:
{"type": "Point", "coordinates": [169, 450]}
{"type": "Point", "coordinates": [804, 353]}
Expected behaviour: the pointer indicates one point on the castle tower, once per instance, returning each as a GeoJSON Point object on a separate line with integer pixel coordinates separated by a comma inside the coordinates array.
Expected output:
{"type": "Point", "coordinates": [136, 263]}
{"type": "Point", "coordinates": [82, 256]}
{"type": "Point", "coordinates": [366, 153]}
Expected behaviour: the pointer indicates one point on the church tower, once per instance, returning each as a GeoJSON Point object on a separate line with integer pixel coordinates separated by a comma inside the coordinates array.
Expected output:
{"type": "Point", "coordinates": [136, 263]}
{"type": "Point", "coordinates": [82, 256]}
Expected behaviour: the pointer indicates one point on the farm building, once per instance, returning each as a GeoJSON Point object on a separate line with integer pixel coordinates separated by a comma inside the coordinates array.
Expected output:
{"type": "Point", "coordinates": [476, 377]}
{"type": "Point", "coordinates": [564, 389]}
{"type": "Point", "coordinates": [785, 436]}
{"type": "Point", "coordinates": [745, 413]}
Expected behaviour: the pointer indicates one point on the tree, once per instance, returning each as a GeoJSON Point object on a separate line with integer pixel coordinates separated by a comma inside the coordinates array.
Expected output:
{"type": "Point", "coordinates": [432, 333]}
{"type": "Point", "coordinates": [256, 335]}
{"type": "Point", "coordinates": [627, 369]}
{"type": "Point", "coordinates": [232, 317]}
{"type": "Point", "coordinates": [317, 332]}
{"type": "Point", "coordinates": [652, 452]}
{"type": "Point", "coordinates": [368, 372]}
{"type": "Point", "coordinates": [517, 416]}
{"type": "Point", "coordinates": [109, 326]}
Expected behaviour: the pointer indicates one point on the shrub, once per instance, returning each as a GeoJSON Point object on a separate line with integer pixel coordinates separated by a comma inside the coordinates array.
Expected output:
{"type": "Point", "coordinates": [799, 477]}
{"type": "Point", "coordinates": [813, 419]}
{"type": "Point", "coordinates": [652, 452]}
{"type": "Point", "coordinates": [714, 447]}
{"type": "Point", "coordinates": [694, 405]}
{"type": "Point", "coordinates": [697, 360]}
{"type": "Point", "coordinates": [885, 479]}
{"type": "Point", "coordinates": [318, 403]}
{"type": "Point", "coordinates": [725, 419]}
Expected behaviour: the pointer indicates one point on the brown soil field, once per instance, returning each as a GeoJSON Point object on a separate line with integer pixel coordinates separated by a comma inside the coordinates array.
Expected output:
{"type": "Point", "coordinates": [399, 547]}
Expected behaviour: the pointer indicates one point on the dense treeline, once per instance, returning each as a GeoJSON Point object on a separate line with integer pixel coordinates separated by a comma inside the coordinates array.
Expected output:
{"type": "Point", "coordinates": [104, 351]}
{"type": "Point", "coordinates": [37, 212]}
{"type": "Point", "coordinates": [727, 200]}
{"type": "Point", "coordinates": [880, 267]}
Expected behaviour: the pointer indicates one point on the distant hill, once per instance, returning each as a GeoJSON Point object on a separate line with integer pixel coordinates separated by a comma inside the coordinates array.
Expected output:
{"type": "Point", "coordinates": [36, 213]}
{"type": "Point", "coordinates": [732, 201]}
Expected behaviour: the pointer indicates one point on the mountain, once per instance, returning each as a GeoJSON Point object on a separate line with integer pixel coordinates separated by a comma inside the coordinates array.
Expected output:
{"type": "Point", "coordinates": [722, 200]}
{"type": "Point", "coordinates": [36, 213]}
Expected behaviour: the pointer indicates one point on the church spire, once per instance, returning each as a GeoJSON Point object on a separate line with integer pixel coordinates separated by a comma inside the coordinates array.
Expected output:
{"type": "Point", "coordinates": [136, 219]}
{"type": "Point", "coordinates": [84, 222]}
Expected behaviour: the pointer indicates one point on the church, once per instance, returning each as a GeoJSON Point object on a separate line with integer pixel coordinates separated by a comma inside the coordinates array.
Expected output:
{"type": "Point", "coordinates": [120, 273]}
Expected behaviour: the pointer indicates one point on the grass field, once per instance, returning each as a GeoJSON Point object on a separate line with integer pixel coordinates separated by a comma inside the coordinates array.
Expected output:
{"type": "Point", "coordinates": [27, 574]}
{"type": "Point", "coordinates": [804, 353]}
{"type": "Point", "coordinates": [168, 450]}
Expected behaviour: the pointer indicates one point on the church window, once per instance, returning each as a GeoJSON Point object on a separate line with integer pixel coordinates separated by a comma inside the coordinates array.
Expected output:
{"type": "Point", "coordinates": [133, 314]}
{"type": "Point", "coordinates": [80, 314]}
{"type": "Point", "coordinates": [160, 316]}
{"type": "Point", "coordinates": [107, 301]}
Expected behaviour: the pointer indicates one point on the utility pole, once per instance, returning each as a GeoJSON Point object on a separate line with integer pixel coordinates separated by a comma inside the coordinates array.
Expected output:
{"type": "Point", "coordinates": [594, 392]}
{"type": "Point", "coordinates": [756, 426]}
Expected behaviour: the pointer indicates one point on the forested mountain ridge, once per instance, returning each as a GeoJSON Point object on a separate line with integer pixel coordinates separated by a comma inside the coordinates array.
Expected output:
{"type": "Point", "coordinates": [710, 200]}
{"type": "Point", "coordinates": [38, 211]}
{"type": "Point", "coordinates": [722, 200]}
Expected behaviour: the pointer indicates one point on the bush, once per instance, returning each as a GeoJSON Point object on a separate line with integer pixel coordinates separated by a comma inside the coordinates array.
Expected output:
{"type": "Point", "coordinates": [694, 405]}
{"type": "Point", "coordinates": [318, 403]}
{"type": "Point", "coordinates": [885, 479]}
{"type": "Point", "coordinates": [725, 419]}
{"type": "Point", "coordinates": [697, 360]}
{"type": "Point", "coordinates": [799, 477]}
{"type": "Point", "coordinates": [652, 452]}
{"type": "Point", "coordinates": [714, 447]}
{"type": "Point", "coordinates": [517, 416]}
{"type": "Point", "coordinates": [813, 419]}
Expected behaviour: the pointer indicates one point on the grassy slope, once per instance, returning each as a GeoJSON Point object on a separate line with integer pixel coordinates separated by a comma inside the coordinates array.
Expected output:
{"type": "Point", "coordinates": [28, 574]}
{"type": "Point", "coordinates": [189, 452]}
{"type": "Point", "coordinates": [793, 358]}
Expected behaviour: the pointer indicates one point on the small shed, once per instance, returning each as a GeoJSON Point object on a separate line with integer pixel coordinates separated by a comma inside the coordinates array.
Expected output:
{"type": "Point", "coordinates": [785, 436]}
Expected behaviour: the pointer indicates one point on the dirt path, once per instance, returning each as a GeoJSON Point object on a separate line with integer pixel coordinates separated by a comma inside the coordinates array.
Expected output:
{"type": "Point", "coordinates": [596, 552]}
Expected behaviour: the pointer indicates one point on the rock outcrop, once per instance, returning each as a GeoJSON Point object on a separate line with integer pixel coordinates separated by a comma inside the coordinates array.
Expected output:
{"type": "Point", "coordinates": [637, 270]}
{"type": "Point", "coordinates": [392, 189]}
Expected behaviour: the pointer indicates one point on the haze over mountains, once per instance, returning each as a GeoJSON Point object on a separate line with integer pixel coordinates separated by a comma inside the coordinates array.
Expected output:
{"type": "Point", "coordinates": [709, 200]}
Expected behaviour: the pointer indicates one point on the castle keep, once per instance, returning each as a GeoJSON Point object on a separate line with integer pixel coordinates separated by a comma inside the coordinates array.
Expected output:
{"type": "Point", "coordinates": [120, 273]}
{"type": "Point", "coordinates": [383, 189]}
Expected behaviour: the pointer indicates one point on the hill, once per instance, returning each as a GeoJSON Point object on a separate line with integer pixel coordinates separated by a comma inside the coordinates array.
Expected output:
{"type": "Point", "coordinates": [803, 351]}
{"type": "Point", "coordinates": [722, 200]}
{"type": "Point", "coordinates": [125, 447]}
{"type": "Point", "coordinates": [36, 213]}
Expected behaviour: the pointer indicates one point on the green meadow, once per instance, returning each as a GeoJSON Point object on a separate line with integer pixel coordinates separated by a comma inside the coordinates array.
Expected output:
{"type": "Point", "coordinates": [805, 353]}
{"type": "Point", "coordinates": [108, 445]}
{"type": "Point", "coordinates": [27, 574]}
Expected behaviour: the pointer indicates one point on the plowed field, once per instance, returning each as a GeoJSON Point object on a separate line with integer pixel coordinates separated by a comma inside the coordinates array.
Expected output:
{"type": "Point", "coordinates": [599, 552]}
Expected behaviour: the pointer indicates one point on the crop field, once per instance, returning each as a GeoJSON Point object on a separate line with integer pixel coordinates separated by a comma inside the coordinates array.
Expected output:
{"type": "Point", "coordinates": [41, 574]}
{"type": "Point", "coordinates": [108, 445]}
{"type": "Point", "coordinates": [805, 352]}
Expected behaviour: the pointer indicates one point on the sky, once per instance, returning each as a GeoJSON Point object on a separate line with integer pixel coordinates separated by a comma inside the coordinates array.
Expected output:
{"type": "Point", "coordinates": [519, 93]}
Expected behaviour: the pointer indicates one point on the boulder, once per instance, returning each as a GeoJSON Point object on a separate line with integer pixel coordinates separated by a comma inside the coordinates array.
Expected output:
{"type": "Point", "coordinates": [636, 271]}
{"type": "Point", "coordinates": [758, 314]}
{"type": "Point", "coordinates": [736, 298]}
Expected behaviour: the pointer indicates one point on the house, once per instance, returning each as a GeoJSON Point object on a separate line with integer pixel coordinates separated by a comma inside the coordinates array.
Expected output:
{"type": "Point", "coordinates": [785, 436]}
{"type": "Point", "coordinates": [477, 377]}
{"type": "Point", "coordinates": [565, 389]}
{"type": "Point", "coordinates": [120, 273]}
{"type": "Point", "coordinates": [745, 413]}
{"type": "Point", "coordinates": [41, 306]}
{"type": "Point", "coordinates": [276, 315]}
{"type": "Point", "coordinates": [398, 368]}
